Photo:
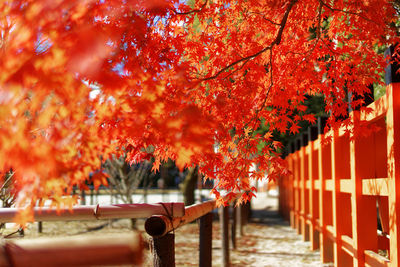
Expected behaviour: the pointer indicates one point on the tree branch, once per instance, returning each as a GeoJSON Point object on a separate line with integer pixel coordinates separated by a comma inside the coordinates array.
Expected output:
{"type": "Point", "coordinates": [308, 53]}
{"type": "Point", "coordinates": [346, 12]}
{"type": "Point", "coordinates": [276, 41]}
{"type": "Point", "coordinates": [192, 11]}
{"type": "Point", "coordinates": [266, 19]}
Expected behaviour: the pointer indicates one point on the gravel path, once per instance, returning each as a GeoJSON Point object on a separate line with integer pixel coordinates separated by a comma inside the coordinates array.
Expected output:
{"type": "Point", "coordinates": [267, 241]}
{"type": "Point", "coordinates": [275, 242]}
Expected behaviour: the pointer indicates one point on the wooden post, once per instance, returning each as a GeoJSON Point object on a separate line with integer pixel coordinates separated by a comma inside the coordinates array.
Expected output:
{"type": "Point", "coordinates": [97, 195]}
{"type": "Point", "coordinates": [40, 227]}
{"type": "Point", "coordinates": [240, 219]}
{"type": "Point", "coordinates": [224, 221]}
{"type": "Point", "coordinates": [313, 195]}
{"type": "Point", "coordinates": [325, 197]}
{"type": "Point", "coordinates": [302, 188]}
{"type": "Point", "coordinates": [341, 206]}
{"type": "Point", "coordinates": [249, 214]}
{"type": "Point", "coordinates": [21, 231]}
{"type": "Point", "coordinates": [393, 156]}
{"type": "Point", "coordinates": [291, 190]}
{"type": "Point", "coordinates": [83, 197]}
{"type": "Point", "coordinates": [111, 195]}
{"type": "Point", "coordinates": [297, 187]}
{"type": "Point", "coordinates": [163, 250]}
{"type": "Point", "coordinates": [205, 240]}
{"type": "Point", "coordinates": [245, 212]}
{"type": "Point", "coordinates": [233, 226]}
{"type": "Point", "coordinates": [91, 196]}
{"type": "Point", "coordinates": [145, 195]}
{"type": "Point", "coordinates": [364, 220]}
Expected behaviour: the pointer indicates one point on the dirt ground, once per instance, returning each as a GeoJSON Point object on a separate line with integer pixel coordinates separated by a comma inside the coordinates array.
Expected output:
{"type": "Point", "coordinates": [267, 239]}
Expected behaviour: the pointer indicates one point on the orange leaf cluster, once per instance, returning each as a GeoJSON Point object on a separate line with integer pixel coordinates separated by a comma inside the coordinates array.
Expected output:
{"type": "Point", "coordinates": [82, 80]}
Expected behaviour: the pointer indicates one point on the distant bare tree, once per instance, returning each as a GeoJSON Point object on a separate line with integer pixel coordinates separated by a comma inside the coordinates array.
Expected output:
{"type": "Point", "coordinates": [125, 178]}
{"type": "Point", "coordinates": [6, 196]}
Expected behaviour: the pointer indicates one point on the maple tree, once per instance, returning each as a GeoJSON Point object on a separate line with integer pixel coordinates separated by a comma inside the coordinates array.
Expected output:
{"type": "Point", "coordinates": [170, 79]}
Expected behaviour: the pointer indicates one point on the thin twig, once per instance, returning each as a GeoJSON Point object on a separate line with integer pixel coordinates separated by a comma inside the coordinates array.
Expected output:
{"type": "Point", "coordinates": [266, 19]}
{"type": "Point", "coordinates": [6, 181]}
{"type": "Point", "coordinates": [268, 90]}
{"type": "Point", "coordinates": [276, 41]}
{"type": "Point", "coordinates": [192, 11]}
{"type": "Point", "coordinates": [347, 12]}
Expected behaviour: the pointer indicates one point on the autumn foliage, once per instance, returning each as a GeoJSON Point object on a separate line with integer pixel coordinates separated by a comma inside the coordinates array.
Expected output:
{"type": "Point", "coordinates": [82, 80]}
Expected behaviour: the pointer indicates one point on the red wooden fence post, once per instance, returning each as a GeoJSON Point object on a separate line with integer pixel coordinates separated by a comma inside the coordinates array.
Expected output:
{"type": "Point", "coordinates": [363, 207]}
{"type": "Point", "coordinates": [393, 155]}
{"type": "Point", "coordinates": [303, 202]}
{"type": "Point", "coordinates": [313, 193]}
{"type": "Point", "coordinates": [325, 198]}
{"type": "Point", "coordinates": [297, 189]}
{"type": "Point", "coordinates": [341, 206]}
{"type": "Point", "coordinates": [291, 188]}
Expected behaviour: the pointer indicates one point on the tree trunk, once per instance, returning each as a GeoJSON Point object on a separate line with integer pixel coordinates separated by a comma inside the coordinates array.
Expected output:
{"type": "Point", "coordinates": [189, 185]}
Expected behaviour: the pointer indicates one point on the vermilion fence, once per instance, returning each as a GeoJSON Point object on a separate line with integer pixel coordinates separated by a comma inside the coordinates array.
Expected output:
{"type": "Point", "coordinates": [340, 192]}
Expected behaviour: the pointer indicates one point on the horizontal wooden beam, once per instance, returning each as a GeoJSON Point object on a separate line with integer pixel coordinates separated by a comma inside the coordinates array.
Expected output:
{"type": "Point", "coordinates": [348, 245]}
{"type": "Point", "coordinates": [94, 212]}
{"type": "Point", "coordinates": [329, 185]}
{"type": "Point", "coordinates": [376, 110]}
{"type": "Point", "coordinates": [158, 226]}
{"type": "Point", "coordinates": [308, 184]}
{"type": "Point", "coordinates": [346, 186]}
{"type": "Point", "coordinates": [330, 230]}
{"type": "Point", "coordinates": [317, 185]}
{"type": "Point", "coordinates": [374, 259]}
{"type": "Point", "coordinates": [102, 250]}
{"type": "Point", "coordinates": [375, 187]}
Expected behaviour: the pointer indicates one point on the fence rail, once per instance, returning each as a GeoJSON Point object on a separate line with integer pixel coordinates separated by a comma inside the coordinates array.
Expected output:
{"type": "Point", "coordinates": [117, 250]}
{"type": "Point", "coordinates": [162, 242]}
{"type": "Point", "coordinates": [82, 251]}
{"type": "Point", "coordinates": [97, 212]}
{"type": "Point", "coordinates": [340, 192]}
{"type": "Point", "coordinates": [73, 251]}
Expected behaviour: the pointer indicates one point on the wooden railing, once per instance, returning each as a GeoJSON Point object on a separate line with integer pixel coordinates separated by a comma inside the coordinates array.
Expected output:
{"type": "Point", "coordinates": [102, 250]}
{"type": "Point", "coordinates": [82, 251]}
{"type": "Point", "coordinates": [119, 249]}
{"type": "Point", "coordinates": [341, 191]}
{"type": "Point", "coordinates": [97, 212]}
{"type": "Point", "coordinates": [161, 228]}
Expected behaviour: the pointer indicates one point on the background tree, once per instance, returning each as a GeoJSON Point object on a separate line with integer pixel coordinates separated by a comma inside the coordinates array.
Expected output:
{"type": "Point", "coordinates": [7, 195]}
{"type": "Point", "coordinates": [125, 178]}
{"type": "Point", "coordinates": [189, 185]}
